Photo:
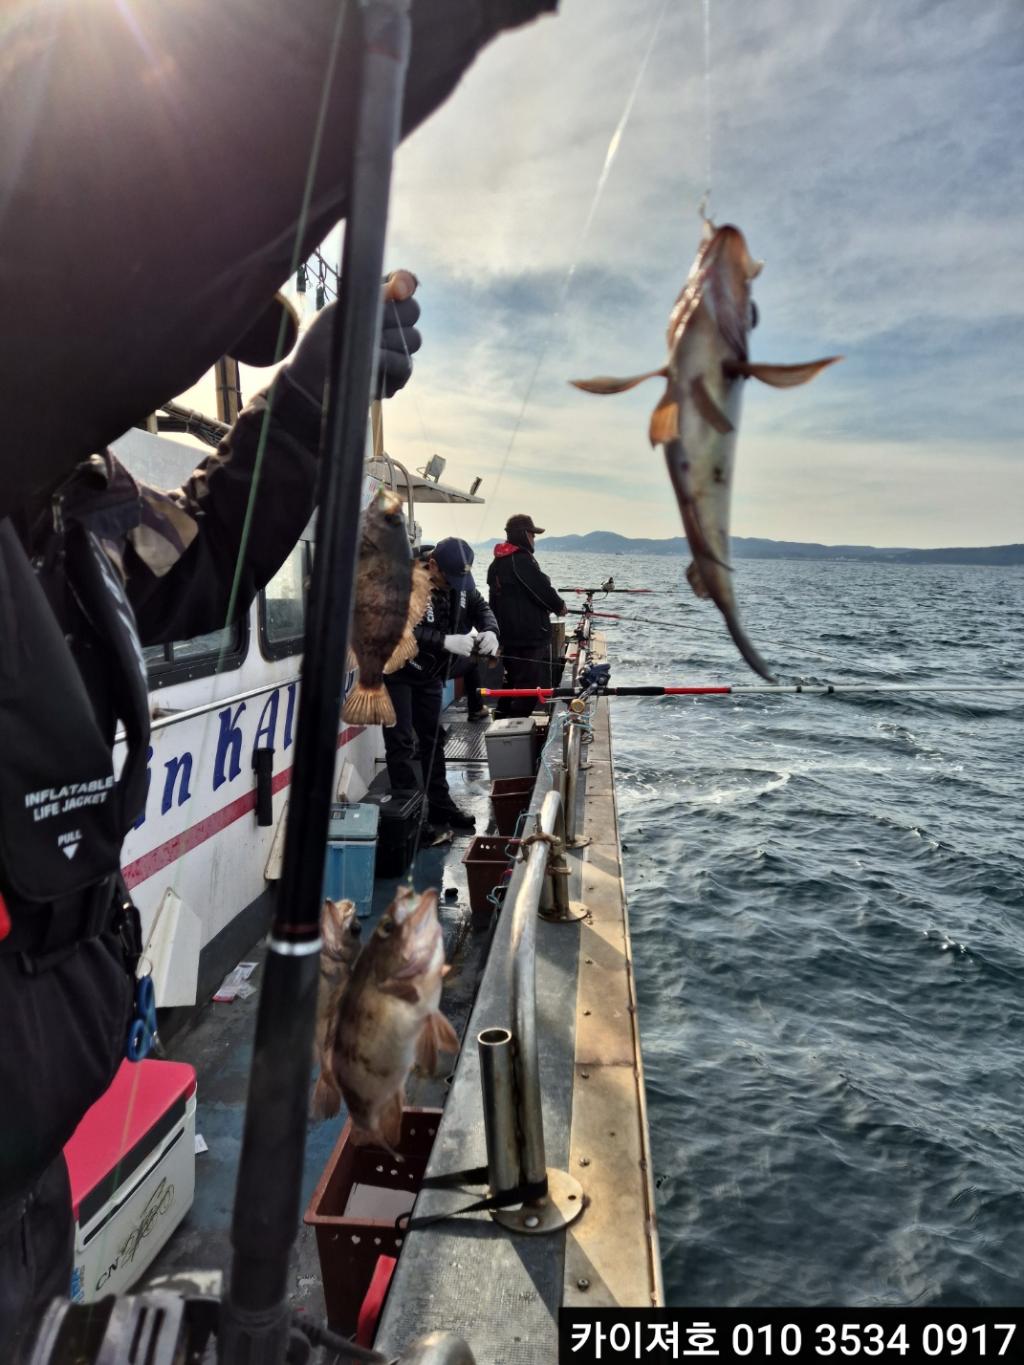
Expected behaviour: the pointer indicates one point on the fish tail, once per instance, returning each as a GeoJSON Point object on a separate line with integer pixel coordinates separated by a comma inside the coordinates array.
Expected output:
{"type": "Point", "coordinates": [369, 706]}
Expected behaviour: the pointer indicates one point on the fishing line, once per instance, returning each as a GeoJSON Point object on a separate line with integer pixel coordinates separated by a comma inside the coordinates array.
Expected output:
{"type": "Point", "coordinates": [610, 154]}
{"type": "Point", "coordinates": [706, 197]}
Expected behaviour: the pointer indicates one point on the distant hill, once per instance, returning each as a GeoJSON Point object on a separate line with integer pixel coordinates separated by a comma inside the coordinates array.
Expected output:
{"type": "Point", "coordinates": [754, 547]}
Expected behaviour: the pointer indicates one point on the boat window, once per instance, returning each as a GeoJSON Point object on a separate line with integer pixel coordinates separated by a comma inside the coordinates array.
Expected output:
{"type": "Point", "coordinates": [218, 651]}
{"type": "Point", "coordinates": [282, 612]}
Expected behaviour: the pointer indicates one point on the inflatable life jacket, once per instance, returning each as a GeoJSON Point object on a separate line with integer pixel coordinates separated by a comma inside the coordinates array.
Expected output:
{"type": "Point", "coordinates": [63, 809]}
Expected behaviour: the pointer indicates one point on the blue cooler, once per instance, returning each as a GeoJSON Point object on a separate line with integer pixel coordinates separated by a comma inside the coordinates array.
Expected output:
{"type": "Point", "coordinates": [351, 852]}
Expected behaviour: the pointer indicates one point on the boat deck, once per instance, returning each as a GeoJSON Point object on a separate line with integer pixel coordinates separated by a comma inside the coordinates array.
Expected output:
{"type": "Point", "coordinates": [218, 1043]}
{"type": "Point", "coordinates": [500, 1290]}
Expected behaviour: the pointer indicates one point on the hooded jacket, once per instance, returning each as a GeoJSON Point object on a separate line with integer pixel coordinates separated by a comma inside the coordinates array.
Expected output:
{"type": "Point", "coordinates": [521, 596]}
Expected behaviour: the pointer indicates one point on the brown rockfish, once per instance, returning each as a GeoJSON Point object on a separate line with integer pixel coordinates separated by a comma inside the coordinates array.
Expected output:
{"type": "Point", "coordinates": [392, 593]}
{"type": "Point", "coordinates": [389, 1017]}
{"type": "Point", "coordinates": [339, 933]}
{"type": "Point", "coordinates": [698, 415]}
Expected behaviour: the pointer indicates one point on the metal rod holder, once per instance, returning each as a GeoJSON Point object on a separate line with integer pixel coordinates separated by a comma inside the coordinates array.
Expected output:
{"type": "Point", "coordinates": [551, 1198]}
{"type": "Point", "coordinates": [572, 742]}
{"type": "Point", "coordinates": [497, 1079]}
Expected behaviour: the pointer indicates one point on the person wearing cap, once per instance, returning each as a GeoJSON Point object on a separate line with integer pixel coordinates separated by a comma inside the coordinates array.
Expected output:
{"type": "Point", "coordinates": [447, 646]}
{"type": "Point", "coordinates": [522, 600]}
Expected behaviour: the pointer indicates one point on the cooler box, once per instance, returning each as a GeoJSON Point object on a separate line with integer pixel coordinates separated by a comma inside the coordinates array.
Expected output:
{"type": "Point", "coordinates": [351, 853]}
{"type": "Point", "coordinates": [400, 816]}
{"type": "Point", "coordinates": [132, 1162]}
{"type": "Point", "coordinates": [447, 693]}
{"type": "Point", "coordinates": [510, 747]}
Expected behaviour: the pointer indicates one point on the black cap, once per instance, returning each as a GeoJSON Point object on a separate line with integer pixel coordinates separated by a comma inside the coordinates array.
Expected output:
{"type": "Point", "coordinates": [521, 522]}
{"type": "Point", "coordinates": [455, 559]}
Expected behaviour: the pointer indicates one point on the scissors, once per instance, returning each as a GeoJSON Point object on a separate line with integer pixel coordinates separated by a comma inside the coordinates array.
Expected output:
{"type": "Point", "coordinates": [142, 1033]}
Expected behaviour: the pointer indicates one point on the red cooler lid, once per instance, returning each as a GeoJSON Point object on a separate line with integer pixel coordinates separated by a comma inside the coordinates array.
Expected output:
{"type": "Point", "coordinates": [116, 1135]}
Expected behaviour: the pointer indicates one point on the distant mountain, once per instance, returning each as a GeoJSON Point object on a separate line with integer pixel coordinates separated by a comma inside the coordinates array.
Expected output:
{"type": "Point", "coordinates": [754, 547]}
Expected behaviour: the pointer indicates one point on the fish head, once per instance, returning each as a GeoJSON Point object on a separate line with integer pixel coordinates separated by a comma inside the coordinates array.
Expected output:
{"type": "Point", "coordinates": [384, 528]}
{"type": "Point", "coordinates": [729, 270]}
{"type": "Point", "coordinates": [406, 940]}
{"type": "Point", "coordinates": [340, 930]}
{"type": "Point", "coordinates": [389, 505]}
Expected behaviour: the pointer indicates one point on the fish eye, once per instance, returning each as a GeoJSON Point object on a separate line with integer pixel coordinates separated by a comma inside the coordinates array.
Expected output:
{"type": "Point", "coordinates": [385, 927]}
{"type": "Point", "coordinates": [754, 315]}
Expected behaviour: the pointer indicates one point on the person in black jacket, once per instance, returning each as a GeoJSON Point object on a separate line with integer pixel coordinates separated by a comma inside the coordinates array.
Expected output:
{"type": "Point", "coordinates": [151, 207]}
{"type": "Point", "coordinates": [101, 567]}
{"type": "Point", "coordinates": [446, 649]}
{"type": "Point", "coordinates": [522, 599]}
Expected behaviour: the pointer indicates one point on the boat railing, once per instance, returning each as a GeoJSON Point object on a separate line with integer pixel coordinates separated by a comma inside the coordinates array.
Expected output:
{"type": "Point", "coordinates": [518, 1173]}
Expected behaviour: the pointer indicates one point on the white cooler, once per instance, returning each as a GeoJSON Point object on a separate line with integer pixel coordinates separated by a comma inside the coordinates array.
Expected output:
{"type": "Point", "coordinates": [132, 1162]}
{"type": "Point", "coordinates": [510, 745]}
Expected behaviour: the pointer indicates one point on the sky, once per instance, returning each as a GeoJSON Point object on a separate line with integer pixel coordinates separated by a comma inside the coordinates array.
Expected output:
{"type": "Point", "coordinates": [871, 152]}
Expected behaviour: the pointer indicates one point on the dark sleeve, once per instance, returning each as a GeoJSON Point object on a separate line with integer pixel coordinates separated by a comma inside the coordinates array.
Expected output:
{"type": "Point", "coordinates": [427, 634]}
{"type": "Point", "coordinates": [181, 562]}
{"type": "Point", "coordinates": [202, 118]}
{"type": "Point", "coordinates": [537, 583]}
{"type": "Point", "coordinates": [479, 613]}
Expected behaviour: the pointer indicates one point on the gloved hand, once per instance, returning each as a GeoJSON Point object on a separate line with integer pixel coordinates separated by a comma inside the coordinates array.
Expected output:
{"type": "Point", "coordinates": [562, 609]}
{"type": "Point", "coordinates": [459, 644]}
{"type": "Point", "coordinates": [487, 643]}
{"type": "Point", "coordinates": [307, 369]}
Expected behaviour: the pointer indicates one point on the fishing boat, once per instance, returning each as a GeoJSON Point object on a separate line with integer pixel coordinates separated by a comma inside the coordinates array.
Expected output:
{"type": "Point", "coordinates": [546, 955]}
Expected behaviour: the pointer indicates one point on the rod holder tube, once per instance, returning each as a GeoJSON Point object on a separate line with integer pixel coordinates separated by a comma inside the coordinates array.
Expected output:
{"type": "Point", "coordinates": [497, 1079]}
{"type": "Point", "coordinates": [523, 1004]}
{"type": "Point", "coordinates": [572, 769]}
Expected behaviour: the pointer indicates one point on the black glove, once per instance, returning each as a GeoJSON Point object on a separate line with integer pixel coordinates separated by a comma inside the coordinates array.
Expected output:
{"type": "Point", "coordinates": [399, 340]}
{"type": "Point", "coordinates": [307, 369]}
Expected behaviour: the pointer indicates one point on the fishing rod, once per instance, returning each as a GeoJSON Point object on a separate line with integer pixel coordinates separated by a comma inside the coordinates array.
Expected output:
{"type": "Point", "coordinates": [752, 689]}
{"type": "Point", "coordinates": [255, 1318]}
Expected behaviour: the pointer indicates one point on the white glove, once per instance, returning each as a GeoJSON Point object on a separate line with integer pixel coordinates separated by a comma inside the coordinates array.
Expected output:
{"type": "Point", "coordinates": [459, 644]}
{"type": "Point", "coordinates": [487, 643]}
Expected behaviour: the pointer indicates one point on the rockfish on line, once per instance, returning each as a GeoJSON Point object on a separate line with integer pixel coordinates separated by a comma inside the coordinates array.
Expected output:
{"type": "Point", "coordinates": [698, 415]}
{"type": "Point", "coordinates": [389, 1017]}
{"type": "Point", "coordinates": [339, 932]}
{"type": "Point", "coordinates": [392, 592]}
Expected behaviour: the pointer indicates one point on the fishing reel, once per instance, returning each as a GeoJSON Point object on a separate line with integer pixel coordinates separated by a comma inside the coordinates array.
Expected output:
{"type": "Point", "coordinates": [159, 1327]}
{"type": "Point", "coordinates": [594, 677]}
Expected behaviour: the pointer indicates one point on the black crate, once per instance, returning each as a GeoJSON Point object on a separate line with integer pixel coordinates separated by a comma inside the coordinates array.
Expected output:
{"type": "Point", "coordinates": [400, 817]}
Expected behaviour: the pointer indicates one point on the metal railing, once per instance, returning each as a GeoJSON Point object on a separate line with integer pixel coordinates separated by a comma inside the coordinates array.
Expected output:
{"type": "Point", "coordinates": [509, 1061]}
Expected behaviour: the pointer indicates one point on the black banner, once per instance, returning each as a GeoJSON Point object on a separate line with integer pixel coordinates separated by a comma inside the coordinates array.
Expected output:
{"type": "Point", "coordinates": [735, 1336]}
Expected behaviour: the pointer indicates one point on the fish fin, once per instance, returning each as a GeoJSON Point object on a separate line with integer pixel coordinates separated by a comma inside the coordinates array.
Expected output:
{"type": "Point", "coordinates": [708, 408]}
{"type": "Point", "coordinates": [326, 1097]}
{"type": "Point", "coordinates": [664, 419]}
{"type": "Point", "coordinates": [695, 581]}
{"type": "Point", "coordinates": [781, 376]}
{"type": "Point", "coordinates": [402, 990]}
{"type": "Point", "coordinates": [606, 384]}
{"type": "Point", "coordinates": [407, 648]}
{"type": "Point", "coordinates": [420, 589]}
{"type": "Point", "coordinates": [368, 706]}
{"type": "Point", "coordinates": [445, 1037]}
{"type": "Point", "coordinates": [351, 658]}
{"type": "Point", "coordinates": [426, 1049]}
{"type": "Point", "coordinates": [390, 1126]}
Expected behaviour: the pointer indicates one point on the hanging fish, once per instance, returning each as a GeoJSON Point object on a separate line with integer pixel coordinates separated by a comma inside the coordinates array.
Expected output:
{"type": "Point", "coordinates": [392, 592]}
{"type": "Point", "coordinates": [388, 1018]}
{"type": "Point", "coordinates": [339, 932]}
{"type": "Point", "coordinates": [698, 415]}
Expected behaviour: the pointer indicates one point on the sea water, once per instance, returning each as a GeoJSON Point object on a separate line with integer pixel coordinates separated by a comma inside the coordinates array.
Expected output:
{"type": "Point", "coordinates": [827, 911]}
